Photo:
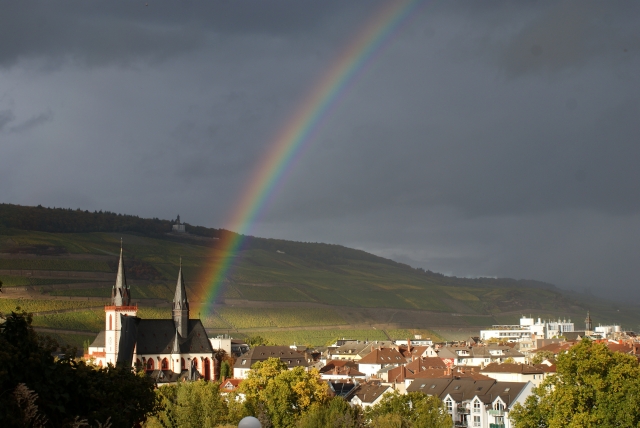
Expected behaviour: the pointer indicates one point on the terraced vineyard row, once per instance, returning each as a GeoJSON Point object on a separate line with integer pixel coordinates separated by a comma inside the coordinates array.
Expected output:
{"type": "Point", "coordinates": [150, 291]}
{"type": "Point", "coordinates": [317, 337]}
{"type": "Point", "coordinates": [61, 265]}
{"type": "Point", "coordinates": [281, 317]}
{"type": "Point", "coordinates": [8, 305]}
{"type": "Point", "coordinates": [18, 281]}
{"type": "Point", "coordinates": [90, 320]}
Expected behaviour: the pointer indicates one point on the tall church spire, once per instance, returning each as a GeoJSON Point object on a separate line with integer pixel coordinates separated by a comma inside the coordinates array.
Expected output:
{"type": "Point", "coordinates": [181, 306]}
{"type": "Point", "coordinates": [121, 293]}
{"type": "Point", "coordinates": [588, 324]}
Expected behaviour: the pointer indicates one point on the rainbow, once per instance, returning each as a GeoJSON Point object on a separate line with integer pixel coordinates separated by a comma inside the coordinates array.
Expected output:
{"type": "Point", "coordinates": [300, 130]}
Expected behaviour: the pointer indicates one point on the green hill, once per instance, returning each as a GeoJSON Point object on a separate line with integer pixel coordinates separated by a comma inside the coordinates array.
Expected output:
{"type": "Point", "coordinates": [305, 292]}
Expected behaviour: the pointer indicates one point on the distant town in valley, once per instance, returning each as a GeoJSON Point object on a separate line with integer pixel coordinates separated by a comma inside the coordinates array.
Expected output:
{"type": "Point", "coordinates": [123, 290]}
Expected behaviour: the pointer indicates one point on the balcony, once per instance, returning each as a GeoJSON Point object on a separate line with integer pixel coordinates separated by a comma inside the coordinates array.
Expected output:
{"type": "Point", "coordinates": [496, 425]}
{"type": "Point", "coordinates": [496, 412]}
{"type": "Point", "coordinates": [462, 410]}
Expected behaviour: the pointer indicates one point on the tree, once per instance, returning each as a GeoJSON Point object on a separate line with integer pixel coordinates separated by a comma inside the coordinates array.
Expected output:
{"type": "Point", "coordinates": [218, 356]}
{"type": "Point", "coordinates": [335, 413]}
{"type": "Point", "coordinates": [256, 341]}
{"type": "Point", "coordinates": [280, 396]}
{"type": "Point", "coordinates": [225, 370]}
{"type": "Point", "coordinates": [540, 356]}
{"type": "Point", "coordinates": [593, 387]}
{"type": "Point", "coordinates": [36, 386]}
{"type": "Point", "coordinates": [191, 405]}
{"type": "Point", "coordinates": [414, 409]}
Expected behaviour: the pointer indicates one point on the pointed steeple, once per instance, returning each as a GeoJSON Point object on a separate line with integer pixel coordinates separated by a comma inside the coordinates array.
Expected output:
{"type": "Point", "coordinates": [120, 294]}
{"type": "Point", "coordinates": [588, 323]}
{"type": "Point", "coordinates": [176, 344]}
{"type": "Point", "coordinates": [181, 306]}
{"type": "Point", "coordinates": [180, 299]}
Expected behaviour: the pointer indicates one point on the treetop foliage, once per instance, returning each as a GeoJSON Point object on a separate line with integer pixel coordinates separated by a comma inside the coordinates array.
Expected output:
{"type": "Point", "coordinates": [593, 387]}
{"type": "Point", "coordinates": [40, 390]}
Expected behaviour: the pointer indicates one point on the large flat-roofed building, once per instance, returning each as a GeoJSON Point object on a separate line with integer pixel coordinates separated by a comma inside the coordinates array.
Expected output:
{"type": "Point", "coordinates": [527, 329]}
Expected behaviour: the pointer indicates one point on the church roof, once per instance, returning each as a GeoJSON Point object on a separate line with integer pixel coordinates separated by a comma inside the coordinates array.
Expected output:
{"type": "Point", "coordinates": [99, 341]}
{"type": "Point", "coordinates": [158, 336]}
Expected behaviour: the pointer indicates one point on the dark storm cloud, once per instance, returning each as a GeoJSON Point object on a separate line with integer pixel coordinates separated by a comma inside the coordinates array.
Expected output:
{"type": "Point", "coordinates": [493, 139]}
{"type": "Point", "coordinates": [128, 31]}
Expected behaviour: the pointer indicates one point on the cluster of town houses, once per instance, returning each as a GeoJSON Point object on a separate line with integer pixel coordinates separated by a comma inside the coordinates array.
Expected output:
{"type": "Point", "coordinates": [478, 380]}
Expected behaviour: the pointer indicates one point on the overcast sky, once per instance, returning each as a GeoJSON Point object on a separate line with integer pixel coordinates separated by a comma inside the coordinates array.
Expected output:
{"type": "Point", "coordinates": [486, 139]}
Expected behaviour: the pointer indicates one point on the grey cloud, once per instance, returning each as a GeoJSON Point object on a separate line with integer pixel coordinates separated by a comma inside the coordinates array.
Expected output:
{"type": "Point", "coordinates": [571, 33]}
{"type": "Point", "coordinates": [125, 32]}
{"type": "Point", "coordinates": [6, 116]}
{"type": "Point", "coordinates": [459, 148]}
{"type": "Point", "coordinates": [32, 122]}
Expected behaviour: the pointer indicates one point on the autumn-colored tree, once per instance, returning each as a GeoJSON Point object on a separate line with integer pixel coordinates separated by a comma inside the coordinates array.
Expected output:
{"type": "Point", "coordinates": [414, 409]}
{"type": "Point", "coordinates": [335, 413]}
{"type": "Point", "coordinates": [280, 396]}
{"type": "Point", "coordinates": [540, 356]}
{"type": "Point", "coordinates": [190, 405]}
{"type": "Point", "coordinates": [593, 387]}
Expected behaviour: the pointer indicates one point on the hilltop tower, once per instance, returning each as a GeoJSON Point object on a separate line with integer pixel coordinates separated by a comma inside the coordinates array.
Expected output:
{"type": "Point", "coordinates": [120, 306]}
{"type": "Point", "coordinates": [588, 324]}
{"type": "Point", "coordinates": [181, 306]}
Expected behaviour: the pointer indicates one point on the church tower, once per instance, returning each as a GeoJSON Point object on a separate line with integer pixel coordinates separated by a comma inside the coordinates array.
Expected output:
{"type": "Point", "coordinates": [120, 306]}
{"type": "Point", "coordinates": [181, 306]}
{"type": "Point", "coordinates": [588, 325]}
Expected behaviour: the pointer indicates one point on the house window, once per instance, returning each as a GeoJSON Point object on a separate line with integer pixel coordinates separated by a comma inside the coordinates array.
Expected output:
{"type": "Point", "coordinates": [476, 407]}
{"type": "Point", "coordinates": [476, 421]}
{"type": "Point", "coordinates": [449, 404]}
{"type": "Point", "coordinates": [110, 323]}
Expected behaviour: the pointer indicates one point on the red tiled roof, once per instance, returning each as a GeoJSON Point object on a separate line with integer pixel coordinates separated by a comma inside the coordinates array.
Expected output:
{"type": "Point", "coordinates": [230, 385]}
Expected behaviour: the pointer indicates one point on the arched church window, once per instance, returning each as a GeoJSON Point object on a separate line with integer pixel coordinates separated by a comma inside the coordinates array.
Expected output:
{"type": "Point", "coordinates": [150, 365]}
{"type": "Point", "coordinates": [182, 364]}
{"type": "Point", "coordinates": [165, 364]}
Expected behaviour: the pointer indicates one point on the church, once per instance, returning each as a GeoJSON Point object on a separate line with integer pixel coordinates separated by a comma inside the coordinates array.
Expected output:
{"type": "Point", "coordinates": [169, 350]}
